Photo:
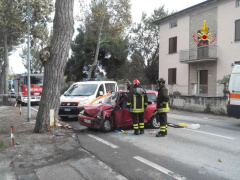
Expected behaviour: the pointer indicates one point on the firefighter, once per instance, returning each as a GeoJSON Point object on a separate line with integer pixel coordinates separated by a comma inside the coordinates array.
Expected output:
{"type": "Point", "coordinates": [137, 102]}
{"type": "Point", "coordinates": [128, 84]}
{"type": "Point", "coordinates": [162, 107]}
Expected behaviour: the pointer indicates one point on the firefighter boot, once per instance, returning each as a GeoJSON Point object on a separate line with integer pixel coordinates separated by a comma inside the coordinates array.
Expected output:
{"type": "Point", "coordinates": [160, 134]}
{"type": "Point", "coordinates": [142, 131]}
{"type": "Point", "coordinates": [136, 132]}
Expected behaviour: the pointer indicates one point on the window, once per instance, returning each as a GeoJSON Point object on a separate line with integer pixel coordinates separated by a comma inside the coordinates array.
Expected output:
{"type": "Point", "coordinates": [172, 76]}
{"type": "Point", "coordinates": [81, 90]}
{"type": "Point", "coordinates": [237, 30]}
{"type": "Point", "coordinates": [172, 45]}
{"type": "Point", "coordinates": [151, 98]}
{"type": "Point", "coordinates": [238, 3]}
{"type": "Point", "coordinates": [100, 90]}
{"type": "Point", "coordinates": [173, 24]}
{"type": "Point", "coordinates": [110, 87]}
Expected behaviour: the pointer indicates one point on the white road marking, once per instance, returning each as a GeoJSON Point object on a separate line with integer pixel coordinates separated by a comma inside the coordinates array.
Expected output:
{"type": "Point", "coordinates": [34, 109]}
{"type": "Point", "coordinates": [160, 168]}
{"type": "Point", "coordinates": [210, 134]}
{"type": "Point", "coordinates": [103, 141]}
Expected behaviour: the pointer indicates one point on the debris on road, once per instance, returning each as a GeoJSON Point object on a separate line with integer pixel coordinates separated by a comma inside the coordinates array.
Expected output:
{"type": "Point", "coordinates": [193, 126]}
{"type": "Point", "coordinates": [183, 124]}
{"type": "Point", "coordinates": [174, 125]}
{"type": "Point", "coordinates": [152, 132]}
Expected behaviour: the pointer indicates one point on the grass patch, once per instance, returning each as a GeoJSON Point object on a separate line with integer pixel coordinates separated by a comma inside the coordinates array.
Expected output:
{"type": "Point", "coordinates": [2, 145]}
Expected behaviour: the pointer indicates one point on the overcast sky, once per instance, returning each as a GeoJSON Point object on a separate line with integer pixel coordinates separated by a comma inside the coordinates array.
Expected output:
{"type": "Point", "coordinates": [138, 6]}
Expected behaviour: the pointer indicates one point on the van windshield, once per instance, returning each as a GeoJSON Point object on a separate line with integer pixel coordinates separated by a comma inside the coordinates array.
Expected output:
{"type": "Point", "coordinates": [112, 99]}
{"type": "Point", "coordinates": [81, 90]}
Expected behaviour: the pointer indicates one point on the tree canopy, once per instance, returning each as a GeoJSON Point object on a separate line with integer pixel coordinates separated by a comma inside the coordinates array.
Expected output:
{"type": "Point", "coordinates": [145, 47]}
{"type": "Point", "coordinates": [111, 59]}
{"type": "Point", "coordinates": [104, 22]}
{"type": "Point", "coordinates": [13, 27]}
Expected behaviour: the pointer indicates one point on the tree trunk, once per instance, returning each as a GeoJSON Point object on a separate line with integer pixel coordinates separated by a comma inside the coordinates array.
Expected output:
{"type": "Point", "coordinates": [1, 79]}
{"type": "Point", "coordinates": [6, 66]}
{"type": "Point", "coordinates": [63, 29]}
{"type": "Point", "coordinates": [93, 66]}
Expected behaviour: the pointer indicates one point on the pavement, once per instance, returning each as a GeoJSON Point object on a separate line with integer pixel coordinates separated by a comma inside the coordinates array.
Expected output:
{"type": "Point", "coordinates": [85, 166]}
{"type": "Point", "coordinates": [45, 156]}
{"type": "Point", "coordinates": [59, 158]}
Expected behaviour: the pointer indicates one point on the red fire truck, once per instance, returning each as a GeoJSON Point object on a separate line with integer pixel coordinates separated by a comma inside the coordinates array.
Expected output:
{"type": "Point", "coordinates": [20, 87]}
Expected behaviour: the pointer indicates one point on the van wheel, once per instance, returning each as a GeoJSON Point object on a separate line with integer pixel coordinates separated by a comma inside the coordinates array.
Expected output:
{"type": "Point", "coordinates": [154, 122]}
{"type": "Point", "coordinates": [105, 125]}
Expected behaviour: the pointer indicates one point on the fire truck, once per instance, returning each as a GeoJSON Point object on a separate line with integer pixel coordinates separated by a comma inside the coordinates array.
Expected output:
{"type": "Point", "coordinates": [20, 87]}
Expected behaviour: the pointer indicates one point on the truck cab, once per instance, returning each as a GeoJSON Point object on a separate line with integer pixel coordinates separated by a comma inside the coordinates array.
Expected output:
{"type": "Point", "coordinates": [20, 87]}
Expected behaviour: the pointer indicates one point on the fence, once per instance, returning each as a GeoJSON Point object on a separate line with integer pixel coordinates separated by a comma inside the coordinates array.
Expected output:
{"type": "Point", "coordinates": [214, 90]}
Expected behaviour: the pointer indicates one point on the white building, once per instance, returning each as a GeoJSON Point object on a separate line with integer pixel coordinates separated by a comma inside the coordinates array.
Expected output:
{"type": "Point", "coordinates": [198, 45]}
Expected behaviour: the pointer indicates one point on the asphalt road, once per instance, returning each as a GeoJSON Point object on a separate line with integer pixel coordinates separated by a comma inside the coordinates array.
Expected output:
{"type": "Point", "coordinates": [210, 152]}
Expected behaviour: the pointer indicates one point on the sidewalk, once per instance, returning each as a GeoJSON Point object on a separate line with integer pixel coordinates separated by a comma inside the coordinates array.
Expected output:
{"type": "Point", "coordinates": [44, 156]}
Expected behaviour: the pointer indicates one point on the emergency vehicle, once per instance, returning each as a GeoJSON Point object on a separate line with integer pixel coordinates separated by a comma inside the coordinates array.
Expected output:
{"type": "Point", "coordinates": [233, 106]}
{"type": "Point", "coordinates": [20, 87]}
{"type": "Point", "coordinates": [87, 92]}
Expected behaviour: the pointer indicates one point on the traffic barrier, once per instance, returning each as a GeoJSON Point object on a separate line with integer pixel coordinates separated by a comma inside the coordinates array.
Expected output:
{"type": "Point", "coordinates": [12, 136]}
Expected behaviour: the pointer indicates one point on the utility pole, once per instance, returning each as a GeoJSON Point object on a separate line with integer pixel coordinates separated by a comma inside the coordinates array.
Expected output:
{"type": "Point", "coordinates": [28, 77]}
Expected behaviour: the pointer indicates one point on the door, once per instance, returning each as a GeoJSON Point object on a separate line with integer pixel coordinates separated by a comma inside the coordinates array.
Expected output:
{"type": "Point", "coordinates": [121, 116]}
{"type": "Point", "coordinates": [203, 82]}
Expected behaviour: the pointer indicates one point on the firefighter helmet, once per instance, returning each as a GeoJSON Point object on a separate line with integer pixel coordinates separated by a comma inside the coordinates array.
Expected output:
{"type": "Point", "coordinates": [161, 81]}
{"type": "Point", "coordinates": [136, 82]}
{"type": "Point", "coordinates": [127, 82]}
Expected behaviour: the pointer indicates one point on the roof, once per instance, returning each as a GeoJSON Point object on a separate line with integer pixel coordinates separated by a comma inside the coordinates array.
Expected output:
{"type": "Point", "coordinates": [95, 82]}
{"type": "Point", "coordinates": [183, 11]}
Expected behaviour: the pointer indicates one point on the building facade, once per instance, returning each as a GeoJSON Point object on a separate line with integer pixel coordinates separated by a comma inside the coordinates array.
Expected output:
{"type": "Point", "coordinates": [198, 45]}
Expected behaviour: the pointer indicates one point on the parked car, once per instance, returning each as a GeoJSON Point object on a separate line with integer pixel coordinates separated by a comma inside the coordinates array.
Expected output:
{"type": "Point", "coordinates": [113, 114]}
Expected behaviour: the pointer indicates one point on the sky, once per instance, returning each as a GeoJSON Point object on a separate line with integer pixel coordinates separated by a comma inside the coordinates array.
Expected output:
{"type": "Point", "coordinates": [138, 6]}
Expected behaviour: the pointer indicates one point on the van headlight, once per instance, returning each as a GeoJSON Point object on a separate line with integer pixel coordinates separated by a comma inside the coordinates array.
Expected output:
{"type": "Point", "coordinates": [81, 112]}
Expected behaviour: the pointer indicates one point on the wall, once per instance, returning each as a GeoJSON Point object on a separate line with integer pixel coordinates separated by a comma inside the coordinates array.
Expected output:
{"type": "Point", "coordinates": [215, 105]}
{"type": "Point", "coordinates": [166, 60]}
{"type": "Point", "coordinates": [228, 49]}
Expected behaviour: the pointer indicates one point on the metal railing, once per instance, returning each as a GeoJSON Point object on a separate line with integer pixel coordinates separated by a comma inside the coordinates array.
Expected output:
{"type": "Point", "coordinates": [200, 53]}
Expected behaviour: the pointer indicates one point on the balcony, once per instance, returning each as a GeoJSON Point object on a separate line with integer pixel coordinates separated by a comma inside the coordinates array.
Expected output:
{"type": "Point", "coordinates": [198, 54]}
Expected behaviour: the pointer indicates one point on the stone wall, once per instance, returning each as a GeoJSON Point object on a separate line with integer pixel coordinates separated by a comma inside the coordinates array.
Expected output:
{"type": "Point", "coordinates": [215, 105]}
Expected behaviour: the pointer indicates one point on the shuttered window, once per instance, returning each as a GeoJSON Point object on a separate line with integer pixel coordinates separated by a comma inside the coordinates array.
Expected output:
{"type": "Point", "coordinates": [172, 76]}
{"type": "Point", "coordinates": [237, 30]}
{"type": "Point", "coordinates": [172, 45]}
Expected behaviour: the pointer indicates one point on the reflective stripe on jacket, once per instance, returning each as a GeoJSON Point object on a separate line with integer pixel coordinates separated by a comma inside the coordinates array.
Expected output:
{"type": "Point", "coordinates": [163, 98]}
{"type": "Point", "coordinates": [137, 100]}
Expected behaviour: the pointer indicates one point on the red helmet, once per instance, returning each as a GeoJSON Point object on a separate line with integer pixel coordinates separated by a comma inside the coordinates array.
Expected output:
{"type": "Point", "coordinates": [136, 82]}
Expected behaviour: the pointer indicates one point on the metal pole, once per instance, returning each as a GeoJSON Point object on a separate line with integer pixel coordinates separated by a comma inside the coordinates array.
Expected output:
{"type": "Point", "coordinates": [28, 77]}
